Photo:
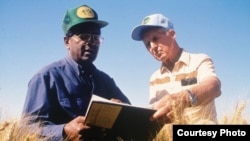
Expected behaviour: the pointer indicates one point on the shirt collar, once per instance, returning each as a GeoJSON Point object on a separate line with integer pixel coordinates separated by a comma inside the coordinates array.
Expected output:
{"type": "Point", "coordinates": [184, 59]}
{"type": "Point", "coordinates": [79, 69]}
{"type": "Point", "coordinates": [73, 64]}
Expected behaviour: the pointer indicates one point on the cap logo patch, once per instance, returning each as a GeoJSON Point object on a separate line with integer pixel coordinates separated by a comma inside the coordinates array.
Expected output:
{"type": "Point", "coordinates": [146, 20]}
{"type": "Point", "coordinates": [85, 12]}
{"type": "Point", "coordinates": [163, 21]}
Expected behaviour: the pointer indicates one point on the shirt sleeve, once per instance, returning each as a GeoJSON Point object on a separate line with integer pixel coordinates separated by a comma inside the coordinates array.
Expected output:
{"type": "Point", "coordinates": [37, 107]}
{"type": "Point", "coordinates": [206, 69]}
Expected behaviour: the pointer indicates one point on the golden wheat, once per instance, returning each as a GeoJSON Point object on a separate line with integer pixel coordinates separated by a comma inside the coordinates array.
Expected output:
{"type": "Point", "coordinates": [15, 130]}
{"type": "Point", "coordinates": [236, 117]}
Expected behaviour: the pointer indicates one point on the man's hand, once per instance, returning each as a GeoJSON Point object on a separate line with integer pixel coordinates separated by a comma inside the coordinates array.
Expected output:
{"type": "Point", "coordinates": [164, 109]}
{"type": "Point", "coordinates": [170, 107]}
{"type": "Point", "coordinates": [73, 128]}
{"type": "Point", "coordinates": [116, 100]}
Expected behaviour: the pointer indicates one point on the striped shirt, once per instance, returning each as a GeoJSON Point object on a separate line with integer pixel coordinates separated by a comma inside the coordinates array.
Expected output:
{"type": "Point", "coordinates": [189, 70]}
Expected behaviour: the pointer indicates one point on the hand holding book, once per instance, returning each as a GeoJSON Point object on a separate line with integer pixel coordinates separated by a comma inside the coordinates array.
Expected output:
{"type": "Point", "coordinates": [124, 120]}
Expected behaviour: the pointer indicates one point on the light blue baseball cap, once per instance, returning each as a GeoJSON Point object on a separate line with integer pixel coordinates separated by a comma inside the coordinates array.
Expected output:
{"type": "Point", "coordinates": [154, 20]}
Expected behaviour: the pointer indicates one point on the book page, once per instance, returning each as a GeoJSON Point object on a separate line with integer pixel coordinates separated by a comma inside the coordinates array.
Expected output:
{"type": "Point", "coordinates": [102, 115]}
{"type": "Point", "coordinates": [122, 119]}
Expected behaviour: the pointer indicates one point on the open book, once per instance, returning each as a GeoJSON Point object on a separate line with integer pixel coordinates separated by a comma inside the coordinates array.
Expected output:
{"type": "Point", "coordinates": [126, 121]}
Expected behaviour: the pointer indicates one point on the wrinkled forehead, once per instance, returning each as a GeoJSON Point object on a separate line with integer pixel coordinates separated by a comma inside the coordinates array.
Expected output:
{"type": "Point", "coordinates": [152, 31]}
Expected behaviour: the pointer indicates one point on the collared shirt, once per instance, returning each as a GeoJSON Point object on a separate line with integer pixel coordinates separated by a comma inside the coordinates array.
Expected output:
{"type": "Point", "coordinates": [58, 93]}
{"type": "Point", "coordinates": [189, 70]}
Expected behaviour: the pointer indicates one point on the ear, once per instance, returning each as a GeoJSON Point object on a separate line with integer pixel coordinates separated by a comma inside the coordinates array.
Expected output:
{"type": "Point", "coordinates": [171, 33]}
{"type": "Point", "coordinates": [66, 42]}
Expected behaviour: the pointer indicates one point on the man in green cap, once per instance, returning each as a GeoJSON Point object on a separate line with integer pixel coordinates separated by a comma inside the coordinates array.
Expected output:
{"type": "Point", "coordinates": [59, 94]}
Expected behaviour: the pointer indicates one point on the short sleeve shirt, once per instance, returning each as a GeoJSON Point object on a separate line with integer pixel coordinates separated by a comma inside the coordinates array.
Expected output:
{"type": "Point", "coordinates": [189, 70]}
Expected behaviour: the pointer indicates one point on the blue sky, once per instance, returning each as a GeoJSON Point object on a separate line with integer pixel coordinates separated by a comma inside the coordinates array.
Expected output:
{"type": "Point", "coordinates": [31, 36]}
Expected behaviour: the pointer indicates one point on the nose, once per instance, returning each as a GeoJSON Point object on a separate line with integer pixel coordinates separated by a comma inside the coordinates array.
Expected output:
{"type": "Point", "coordinates": [153, 45]}
{"type": "Point", "coordinates": [90, 39]}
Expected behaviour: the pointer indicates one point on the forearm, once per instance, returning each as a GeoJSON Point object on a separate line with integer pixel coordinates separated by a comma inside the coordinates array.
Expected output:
{"type": "Point", "coordinates": [207, 90]}
{"type": "Point", "coordinates": [204, 92]}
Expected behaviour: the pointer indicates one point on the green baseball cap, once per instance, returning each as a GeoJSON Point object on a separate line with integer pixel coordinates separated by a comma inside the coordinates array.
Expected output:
{"type": "Point", "coordinates": [80, 14]}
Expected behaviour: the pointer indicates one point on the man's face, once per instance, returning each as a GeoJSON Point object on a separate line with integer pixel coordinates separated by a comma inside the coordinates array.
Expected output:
{"type": "Point", "coordinates": [83, 44]}
{"type": "Point", "coordinates": [158, 42]}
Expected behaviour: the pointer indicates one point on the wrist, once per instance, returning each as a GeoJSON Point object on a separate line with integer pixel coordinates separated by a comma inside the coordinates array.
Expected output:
{"type": "Point", "coordinates": [193, 101]}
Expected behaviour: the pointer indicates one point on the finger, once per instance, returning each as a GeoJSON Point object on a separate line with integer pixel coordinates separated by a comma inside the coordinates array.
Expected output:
{"type": "Point", "coordinates": [160, 113]}
{"type": "Point", "coordinates": [80, 119]}
{"type": "Point", "coordinates": [159, 104]}
{"type": "Point", "coordinates": [170, 114]}
{"type": "Point", "coordinates": [83, 126]}
{"type": "Point", "coordinates": [116, 100]}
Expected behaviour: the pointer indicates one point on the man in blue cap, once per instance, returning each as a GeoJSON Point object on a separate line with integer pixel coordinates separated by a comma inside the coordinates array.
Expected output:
{"type": "Point", "coordinates": [186, 83]}
{"type": "Point", "coordinates": [59, 94]}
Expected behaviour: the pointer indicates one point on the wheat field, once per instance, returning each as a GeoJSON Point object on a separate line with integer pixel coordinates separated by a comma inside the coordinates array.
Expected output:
{"type": "Point", "coordinates": [13, 129]}
{"type": "Point", "coordinates": [235, 117]}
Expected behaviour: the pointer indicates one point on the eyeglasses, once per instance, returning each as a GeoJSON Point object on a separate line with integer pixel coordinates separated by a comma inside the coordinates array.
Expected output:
{"type": "Point", "coordinates": [95, 39]}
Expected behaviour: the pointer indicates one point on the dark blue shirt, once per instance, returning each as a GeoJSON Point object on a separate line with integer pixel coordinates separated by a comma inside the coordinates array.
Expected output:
{"type": "Point", "coordinates": [62, 90]}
